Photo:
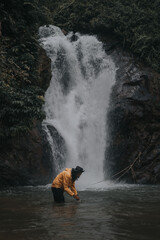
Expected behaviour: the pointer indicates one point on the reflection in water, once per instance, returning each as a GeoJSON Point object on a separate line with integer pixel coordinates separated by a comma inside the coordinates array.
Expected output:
{"type": "Point", "coordinates": [64, 211]}
{"type": "Point", "coordinates": [122, 213]}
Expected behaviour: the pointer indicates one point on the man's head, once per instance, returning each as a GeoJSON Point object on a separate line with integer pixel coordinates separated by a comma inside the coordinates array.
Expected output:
{"type": "Point", "coordinates": [76, 173]}
{"type": "Point", "coordinates": [79, 169]}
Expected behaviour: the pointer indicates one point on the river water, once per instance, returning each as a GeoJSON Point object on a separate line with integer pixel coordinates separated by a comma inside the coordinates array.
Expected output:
{"type": "Point", "coordinates": [117, 212]}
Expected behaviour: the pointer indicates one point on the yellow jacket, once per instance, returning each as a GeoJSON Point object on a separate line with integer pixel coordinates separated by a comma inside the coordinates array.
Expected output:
{"type": "Point", "coordinates": [64, 181]}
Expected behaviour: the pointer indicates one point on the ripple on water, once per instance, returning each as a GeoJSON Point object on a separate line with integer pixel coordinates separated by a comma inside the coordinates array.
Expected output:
{"type": "Point", "coordinates": [120, 212]}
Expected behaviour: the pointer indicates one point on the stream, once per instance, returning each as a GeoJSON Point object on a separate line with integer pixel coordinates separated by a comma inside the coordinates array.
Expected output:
{"type": "Point", "coordinates": [110, 212]}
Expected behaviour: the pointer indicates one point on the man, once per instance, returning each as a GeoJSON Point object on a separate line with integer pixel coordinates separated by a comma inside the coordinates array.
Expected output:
{"type": "Point", "coordinates": [65, 181]}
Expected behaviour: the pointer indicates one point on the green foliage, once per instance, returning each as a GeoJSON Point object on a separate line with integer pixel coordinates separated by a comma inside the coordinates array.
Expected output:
{"type": "Point", "coordinates": [136, 23]}
{"type": "Point", "coordinates": [23, 15]}
{"type": "Point", "coordinates": [21, 87]}
{"type": "Point", "coordinates": [19, 106]}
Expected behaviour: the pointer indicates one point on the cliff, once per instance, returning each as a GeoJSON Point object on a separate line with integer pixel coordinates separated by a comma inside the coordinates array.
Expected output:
{"type": "Point", "coordinates": [25, 75]}
{"type": "Point", "coordinates": [133, 121]}
{"type": "Point", "coordinates": [130, 31]}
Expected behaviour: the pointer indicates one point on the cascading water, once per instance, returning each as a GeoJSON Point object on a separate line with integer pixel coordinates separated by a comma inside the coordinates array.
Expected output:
{"type": "Point", "coordinates": [77, 99]}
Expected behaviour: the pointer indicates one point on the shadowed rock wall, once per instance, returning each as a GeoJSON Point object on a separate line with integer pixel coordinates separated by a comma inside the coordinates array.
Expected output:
{"type": "Point", "coordinates": [26, 160]}
{"type": "Point", "coordinates": [22, 161]}
{"type": "Point", "coordinates": [134, 120]}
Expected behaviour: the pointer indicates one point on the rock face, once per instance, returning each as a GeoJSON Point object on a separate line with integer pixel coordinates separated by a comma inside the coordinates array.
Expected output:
{"type": "Point", "coordinates": [26, 160]}
{"type": "Point", "coordinates": [134, 120]}
{"type": "Point", "coordinates": [55, 148]}
{"type": "Point", "coordinates": [22, 162]}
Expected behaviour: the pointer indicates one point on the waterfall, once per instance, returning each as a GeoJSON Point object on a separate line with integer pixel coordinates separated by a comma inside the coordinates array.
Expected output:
{"type": "Point", "coordinates": [77, 99]}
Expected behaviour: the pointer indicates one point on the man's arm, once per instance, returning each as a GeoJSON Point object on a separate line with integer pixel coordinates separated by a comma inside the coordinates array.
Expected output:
{"type": "Point", "coordinates": [75, 192]}
{"type": "Point", "coordinates": [66, 180]}
{"type": "Point", "coordinates": [73, 188]}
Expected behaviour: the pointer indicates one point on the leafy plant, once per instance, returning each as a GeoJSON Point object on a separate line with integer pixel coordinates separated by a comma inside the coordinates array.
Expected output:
{"type": "Point", "coordinates": [19, 107]}
{"type": "Point", "coordinates": [136, 23]}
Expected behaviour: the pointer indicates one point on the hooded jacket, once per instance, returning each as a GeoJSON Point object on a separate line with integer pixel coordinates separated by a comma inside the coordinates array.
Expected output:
{"type": "Point", "coordinates": [64, 181]}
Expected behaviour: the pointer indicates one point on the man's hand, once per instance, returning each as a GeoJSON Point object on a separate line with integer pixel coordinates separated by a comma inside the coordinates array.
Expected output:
{"type": "Point", "coordinates": [76, 197]}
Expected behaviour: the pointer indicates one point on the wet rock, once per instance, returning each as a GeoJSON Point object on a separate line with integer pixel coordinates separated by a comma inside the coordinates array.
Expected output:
{"type": "Point", "coordinates": [133, 120]}
{"type": "Point", "coordinates": [157, 169]}
{"type": "Point", "coordinates": [0, 29]}
{"type": "Point", "coordinates": [144, 179]}
{"type": "Point", "coordinates": [74, 38]}
{"type": "Point", "coordinates": [59, 153]}
{"type": "Point", "coordinates": [22, 161]}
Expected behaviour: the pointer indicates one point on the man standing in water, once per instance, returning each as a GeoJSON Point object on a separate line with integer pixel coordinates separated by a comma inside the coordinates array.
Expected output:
{"type": "Point", "coordinates": [65, 181]}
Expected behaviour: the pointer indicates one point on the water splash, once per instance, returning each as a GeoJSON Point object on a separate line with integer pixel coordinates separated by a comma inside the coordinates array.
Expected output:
{"type": "Point", "coordinates": [78, 96]}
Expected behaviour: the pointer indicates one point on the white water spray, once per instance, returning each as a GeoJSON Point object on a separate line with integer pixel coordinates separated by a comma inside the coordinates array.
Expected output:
{"type": "Point", "coordinates": [77, 99]}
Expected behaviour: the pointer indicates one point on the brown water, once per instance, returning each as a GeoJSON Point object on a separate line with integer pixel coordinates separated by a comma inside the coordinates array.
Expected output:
{"type": "Point", "coordinates": [119, 213]}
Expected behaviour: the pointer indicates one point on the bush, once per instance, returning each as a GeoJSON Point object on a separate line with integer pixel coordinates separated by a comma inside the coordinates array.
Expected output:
{"type": "Point", "coordinates": [19, 106]}
{"type": "Point", "coordinates": [136, 23]}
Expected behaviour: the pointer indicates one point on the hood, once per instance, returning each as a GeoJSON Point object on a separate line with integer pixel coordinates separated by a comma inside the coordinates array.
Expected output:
{"type": "Point", "coordinates": [68, 169]}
